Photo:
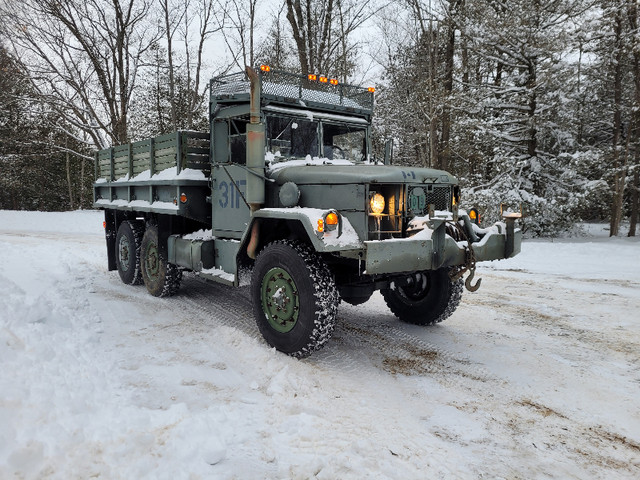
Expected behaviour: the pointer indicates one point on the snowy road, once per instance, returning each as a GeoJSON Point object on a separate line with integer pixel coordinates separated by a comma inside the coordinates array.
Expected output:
{"type": "Point", "coordinates": [537, 375]}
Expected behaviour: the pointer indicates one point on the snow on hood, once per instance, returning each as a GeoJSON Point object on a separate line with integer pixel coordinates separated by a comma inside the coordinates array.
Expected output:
{"type": "Point", "coordinates": [273, 165]}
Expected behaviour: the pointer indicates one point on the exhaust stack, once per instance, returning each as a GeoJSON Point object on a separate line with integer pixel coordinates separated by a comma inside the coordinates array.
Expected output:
{"type": "Point", "coordinates": [255, 146]}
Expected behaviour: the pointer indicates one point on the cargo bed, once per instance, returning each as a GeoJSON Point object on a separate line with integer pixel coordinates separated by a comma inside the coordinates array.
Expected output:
{"type": "Point", "coordinates": [169, 174]}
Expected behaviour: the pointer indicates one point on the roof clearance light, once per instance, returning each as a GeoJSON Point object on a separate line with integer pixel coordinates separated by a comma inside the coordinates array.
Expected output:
{"type": "Point", "coordinates": [312, 77]}
{"type": "Point", "coordinates": [333, 81]}
{"type": "Point", "coordinates": [265, 68]}
{"type": "Point", "coordinates": [324, 79]}
{"type": "Point", "coordinates": [371, 89]}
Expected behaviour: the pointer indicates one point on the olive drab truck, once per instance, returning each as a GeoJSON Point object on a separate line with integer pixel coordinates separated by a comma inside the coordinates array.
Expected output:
{"type": "Point", "coordinates": [283, 193]}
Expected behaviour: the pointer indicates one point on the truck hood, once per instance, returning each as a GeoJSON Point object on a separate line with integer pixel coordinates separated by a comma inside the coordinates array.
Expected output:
{"type": "Point", "coordinates": [350, 174]}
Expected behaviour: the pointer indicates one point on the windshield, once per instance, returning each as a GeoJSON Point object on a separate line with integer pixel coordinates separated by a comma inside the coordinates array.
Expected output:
{"type": "Point", "coordinates": [343, 142]}
{"type": "Point", "coordinates": [292, 137]}
{"type": "Point", "coordinates": [295, 138]}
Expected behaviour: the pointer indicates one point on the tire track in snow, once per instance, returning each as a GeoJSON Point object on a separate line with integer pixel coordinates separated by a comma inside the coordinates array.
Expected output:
{"type": "Point", "coordinates": [531, 310]}
{"type": "Point", "coordinates": [364, 338]}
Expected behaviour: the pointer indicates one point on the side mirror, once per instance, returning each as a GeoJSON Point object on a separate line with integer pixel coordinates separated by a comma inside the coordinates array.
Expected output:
{"type": "Point", "coordinates": [388, 151]}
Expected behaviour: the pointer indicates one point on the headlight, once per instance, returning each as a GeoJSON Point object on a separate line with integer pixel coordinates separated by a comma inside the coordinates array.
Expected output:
{"type": "Point", "coordinates": [377, 204]}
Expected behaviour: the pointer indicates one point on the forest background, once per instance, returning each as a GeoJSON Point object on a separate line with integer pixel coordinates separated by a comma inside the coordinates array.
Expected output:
{"type": "Point", "coordinates": [532, 102]}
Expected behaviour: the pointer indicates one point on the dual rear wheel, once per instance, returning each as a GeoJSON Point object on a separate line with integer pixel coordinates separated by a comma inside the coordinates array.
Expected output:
{"type": "Point", "coordinates": [139, 259]}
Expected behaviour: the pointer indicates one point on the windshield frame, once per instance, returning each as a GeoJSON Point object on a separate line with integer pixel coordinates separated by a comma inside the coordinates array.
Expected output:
{"type": "Point", "coordinates": [351, 124]}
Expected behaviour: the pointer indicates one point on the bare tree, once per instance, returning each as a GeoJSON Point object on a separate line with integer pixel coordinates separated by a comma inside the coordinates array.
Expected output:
{"type": "Point", "coordinates": [276, 50]}
{"type": "Point", "coordinates": [206, 24]}
{"type": "Point", "coordinates": [321, 31]}
{"type": "Point", "coordinates": [241, 32]}
{"type": "Point", "coordinates": [173, 14]}
{"type": "Point", "coordinates": [84, 56]}
{"type": "Point", "coordinates": [187, 23]}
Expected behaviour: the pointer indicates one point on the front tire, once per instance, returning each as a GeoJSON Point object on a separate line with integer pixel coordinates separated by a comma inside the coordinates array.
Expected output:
{"type": "Point", "coordinates": [295, 299]}
{"type": "Point", "coordinates": [128, 243]}
{"type": "Point", "coordinates": [161, 278]}
{"type": "Point", "coordinates": [428, 297]}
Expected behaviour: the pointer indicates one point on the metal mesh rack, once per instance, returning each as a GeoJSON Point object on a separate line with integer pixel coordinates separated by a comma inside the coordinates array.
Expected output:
{"type": "Point", "coordinates": [286, 86]}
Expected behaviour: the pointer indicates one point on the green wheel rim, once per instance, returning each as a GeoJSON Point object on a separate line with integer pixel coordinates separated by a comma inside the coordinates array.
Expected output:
{"type": "Point", "coordinates": [124, 252]}
{"type": "Point", "coordinates": [152, 261]}
{"type": "Point", "coordinates": [280, 300]}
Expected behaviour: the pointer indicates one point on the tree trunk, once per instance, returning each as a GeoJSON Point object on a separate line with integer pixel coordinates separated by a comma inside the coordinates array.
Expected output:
{"type": "Point", "coordinates": [634, 200]}
{"type": "Point", "coordinates": [618, 173]}
{"type": "Point", "coordinates": [298, 30]}
{"type": "Point", "coordinates": [169, 29]}
{"type": "Point", "coordinates": [445, 148]}
{"type": "Point", "coordinates": [632, 15]}
{"type": "Point", "coordinates": [69, 183]}
{"type": "Point", "coordinates": [532, 85]}
{"type": "Point", "coordinates": [82, 186]}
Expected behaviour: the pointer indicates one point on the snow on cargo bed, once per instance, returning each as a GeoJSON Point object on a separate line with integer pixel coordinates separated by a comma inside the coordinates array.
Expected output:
{"type": "Point", "coordinates": [170, 173]}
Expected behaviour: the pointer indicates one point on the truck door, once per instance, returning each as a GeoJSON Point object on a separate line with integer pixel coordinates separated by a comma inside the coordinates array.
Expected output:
{"type": "Point", "coordinates": [230, 210]}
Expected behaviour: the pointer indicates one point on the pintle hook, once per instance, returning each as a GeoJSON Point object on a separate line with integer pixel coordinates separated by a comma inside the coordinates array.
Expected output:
{"type": "Point", "coordinates": [467, 282]}
{"type": "Point", "coordinates": [469, 266]}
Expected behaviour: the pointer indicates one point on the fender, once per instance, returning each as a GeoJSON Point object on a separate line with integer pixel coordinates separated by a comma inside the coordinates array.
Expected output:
{"type": "Point", "coordinates": [308, 219]}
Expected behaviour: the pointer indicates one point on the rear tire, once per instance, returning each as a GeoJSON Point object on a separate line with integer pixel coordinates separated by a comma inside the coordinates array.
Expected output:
{"type": "Point", "coordinates": [161, 278]}
{"type": "Point", "coordinates": [295, 299]}
{"type": "Point", "coordinates": [128, 243]}
{"type": "Point", "coordinates": [430, 298]}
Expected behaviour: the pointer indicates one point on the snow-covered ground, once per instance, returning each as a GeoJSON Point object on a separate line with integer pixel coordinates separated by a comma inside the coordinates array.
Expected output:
{"type": "Point", "coordinates": [537, 375]}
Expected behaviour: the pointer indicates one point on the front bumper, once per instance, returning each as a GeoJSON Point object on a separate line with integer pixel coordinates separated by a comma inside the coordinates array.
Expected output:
{"type": "Point", "coordinates": [433, 249]}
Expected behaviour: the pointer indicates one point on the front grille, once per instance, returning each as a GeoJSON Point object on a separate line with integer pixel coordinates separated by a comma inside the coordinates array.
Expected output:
{"type": "Point", "coordinates": [419, 197]}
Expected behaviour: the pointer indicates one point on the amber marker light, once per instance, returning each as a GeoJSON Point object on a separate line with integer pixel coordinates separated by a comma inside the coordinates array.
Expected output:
{"type": "Point", "coordinates": [265, 68]}
{"type": "Point", "coordinates": [333, 81]}
{"type": "Point", "coordinates": [104, 224]}
{"type": "Point", "coordinates": [324, 79]}
{"type": "Point", "coordinates": [474, 216]}
{"type": "Point", "coordinates": [312, 77]}
{"type": "Point", "coordinates": [183, 198]}
{"type": "Point", "coordinates": [371, 89]}
{"type": "Point", "coordinates": [320, 225]}
{"type": "Point", "coordinates": [332, 219]}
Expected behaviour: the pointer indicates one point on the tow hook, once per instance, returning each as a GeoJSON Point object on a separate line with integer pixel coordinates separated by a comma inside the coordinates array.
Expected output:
{"type": "Point", "coordinates": [467, 282]}
{"type": "Point", "coordinates": [470, 266]}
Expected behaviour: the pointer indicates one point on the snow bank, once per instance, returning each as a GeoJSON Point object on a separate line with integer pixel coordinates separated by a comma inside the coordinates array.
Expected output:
{"type": "Point", "coordinates": [81, 221]}
{"type": "Point", "coordinates": [585, 258]}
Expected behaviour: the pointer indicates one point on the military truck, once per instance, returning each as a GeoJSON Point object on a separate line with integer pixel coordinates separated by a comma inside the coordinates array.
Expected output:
{"type": "Point", "coordinates": [283, 193]}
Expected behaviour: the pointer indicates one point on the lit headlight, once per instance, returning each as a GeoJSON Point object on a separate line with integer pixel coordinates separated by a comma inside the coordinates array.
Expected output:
{"type": "Point", "coordinates": [377, 204]}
